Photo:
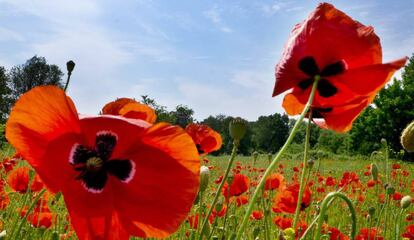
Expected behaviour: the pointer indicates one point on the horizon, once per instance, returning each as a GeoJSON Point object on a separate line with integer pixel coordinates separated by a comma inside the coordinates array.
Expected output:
{"type": "Point", "coordinates": [216, 58]}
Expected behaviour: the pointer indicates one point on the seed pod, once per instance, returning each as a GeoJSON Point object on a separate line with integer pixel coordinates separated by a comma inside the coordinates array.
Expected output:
{"type": "Point", "coordinates": [371, 211]}
{"type": "Point", "coordinates": [237, 129]}
{"type": "Point", "coordinates": [407, 137]}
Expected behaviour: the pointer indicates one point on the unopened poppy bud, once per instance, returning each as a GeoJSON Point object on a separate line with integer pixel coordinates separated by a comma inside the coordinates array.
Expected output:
{"type": "Point", "coordinates": [374, 171]}
{"type": "Point", "coordinates": [407, 137]}
{"type": "Point", "coordinates": [289, 233]}
{"type": "Point", "coordinates": [70, 65]}
{"type": "Point", "coordinates": [371, 211]}
{"type": "Point", "coordinates": [384, 142]}
{"type": "Point", "coordinates": [219, 206]}
{"type": "Point", "coordinates": [390, 190]}
{"type": "Point", "coordinates": [215, 237]}
{"type": "Point", "coordinates": [204, 178]}
{"type": "Point", "coordinates": [406, 201]}
{"type": "Point", "coordinates": [3, 234]}
{"type": "Point", "coordinates": [311, 162]}
{"type": "Point", "coordinates": [237, 129]}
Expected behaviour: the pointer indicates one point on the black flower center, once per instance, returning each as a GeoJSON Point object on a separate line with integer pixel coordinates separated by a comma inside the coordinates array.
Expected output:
{"type": "Point", "coordinates": [95, 164]}
{"type": "Point", "coordinates": [325, 88]}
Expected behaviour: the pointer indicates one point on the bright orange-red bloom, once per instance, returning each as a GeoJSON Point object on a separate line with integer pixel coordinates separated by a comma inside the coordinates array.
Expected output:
{"type": "Point", "coordinates": [241, 200]}
{"type": "Point", "coordinates": [286, 199]}
{"type": "Point", "coordinates": [130, 108]}
{"type": "Point", "coordinates": [119, 176]}
{"type": "Point", "coordinates": [409, 232]}
{"type": "Point", "coordinates": [4, 200]}
{"type": "Point", "coordinates": [275, 181]}
{"type": "Point", "coordinates": [19, 179]}
{"type": "Point", "coordinates": [369, 233]}
{"type": "Point", "coordinates": [206, 139]}
{"type": "Point", "coordinates": [257, 215]}
{"type": "Point", "coordinates": [239, 185]}
{"type": "Point", "coordinates": [350, 77]}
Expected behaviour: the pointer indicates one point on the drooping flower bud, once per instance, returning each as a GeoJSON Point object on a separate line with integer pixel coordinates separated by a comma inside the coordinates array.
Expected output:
{"type": "Point", "coordinates": [374, 171]}
{"type": "Point", "coordinates": [204, 178]}
{"type": "Point", "coordinates": [407, 137]}
{"type": "Point", "coordinates": [237, 129]}
{"type": "Point", "coordinates": [406, 202]}
{"type": "Point", "coordinates": [255, 156]}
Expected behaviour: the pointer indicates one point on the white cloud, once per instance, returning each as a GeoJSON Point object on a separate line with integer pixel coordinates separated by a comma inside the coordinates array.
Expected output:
{"type": "Point", "coordinates": [10, 35]}
{"type": "Point", "coordinates": [214, 14]}
{"type": "Point", "coordinates": [280, 6]}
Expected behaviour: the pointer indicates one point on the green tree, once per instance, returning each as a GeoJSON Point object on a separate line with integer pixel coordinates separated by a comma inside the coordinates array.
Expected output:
{"type": "Point", "coordinates": [5, 92]}
{"type": "Point", "coordinates": [35, 72]}
{"type": "Point", "coordinates": [183, 115]}
{"type": "Point", "coordinates": [270, 132]}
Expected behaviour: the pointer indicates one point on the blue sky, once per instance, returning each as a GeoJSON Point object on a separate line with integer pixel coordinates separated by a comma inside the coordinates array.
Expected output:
{"type": "Point", "coordinates": [214, 56]}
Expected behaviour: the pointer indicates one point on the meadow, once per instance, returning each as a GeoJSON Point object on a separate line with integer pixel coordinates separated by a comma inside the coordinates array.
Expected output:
{"type": "Point", "coordinates": [27, 215]}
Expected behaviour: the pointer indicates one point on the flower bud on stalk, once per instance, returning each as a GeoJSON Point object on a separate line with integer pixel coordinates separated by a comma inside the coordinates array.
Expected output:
{"type": "Point", "coordinates": [371, 211]}
{"type": "Point", "coordinates": [406, 202]}
{"type": "Point", "coordinates": [237, 129]}
{"type": "Point", "coordinates": [204, 178]}
{"type": "Point", "coordinates": [70, 65]}
{"type": "Point", "coordinates": [407, 137]}
{"type": "Point", "coordinates": [390, 190]}
{"type": "Point", "coordinates": [255, 156]}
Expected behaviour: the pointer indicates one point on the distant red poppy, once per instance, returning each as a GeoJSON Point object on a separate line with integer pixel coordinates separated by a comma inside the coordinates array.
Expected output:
{"type": "Point", "coordinates": [116, 174]}
{"type": "Point", "coordinates": [330, 181]}
{"type": "Point", "coordinates": [220, 213]}
{"type": "Point", "coordinates": [349, 77]}
{"type": "Point", "coordinates": [287, 198]}
{"type": "Point", "coordinates": [206, 139]}
{"type": "Point", "coordinates": [19, 179]}
{"type": "Point", "coordinates": [396, 166]}
{"type": "Point", "coordinates": [130, 108]}
{"type": "Point", "coordinates": [257, 215]}
{"type": "Point", "coordinates": [409, 232]}
{"type": "Point", "coordinates": [371, 233]}
{"type": "Point", "coordinates": [241, 200]}
{"type": "Point", "coordinates": [275, 181]}
{"type": "Point", "coordinates": [239, 185]}
{"type": "Point", "coordinates": [335, 234]}
{"type": "Point", "coordinates": [8, 164]}
{"type": "Point", "coordinates": [4, 200]}
{"type": "Point", "coordinates": [285, 222]}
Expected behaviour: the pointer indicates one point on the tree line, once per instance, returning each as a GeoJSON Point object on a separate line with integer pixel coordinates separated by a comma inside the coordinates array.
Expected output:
{"type": "Point", "coordinates": [391, 111]}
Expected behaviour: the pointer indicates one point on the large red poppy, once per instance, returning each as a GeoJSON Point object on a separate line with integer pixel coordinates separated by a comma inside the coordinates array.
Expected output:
{"type": "Point", "coordinates": [347, 57]}
{"type": "Point", "coordinates": [130, 108]}
{"type": "Point", "coordinates": [119, 176]}
{"type": "Point", "coordinates": [206, 139]}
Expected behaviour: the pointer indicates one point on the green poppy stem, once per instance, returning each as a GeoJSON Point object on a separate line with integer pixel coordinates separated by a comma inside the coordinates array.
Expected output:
{"type": "Point", "coordinates": [216, 196]}
{"type": "Point", "coordinates": [324, 208]}
{"type": "Point", "coordinates": [279, 155]}
{"type": "Point", "coordinates": [304, 171]}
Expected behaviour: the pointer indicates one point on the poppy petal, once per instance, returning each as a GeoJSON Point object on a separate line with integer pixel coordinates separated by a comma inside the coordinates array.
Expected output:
{"type": "Point", "coordinates": [138, 111]}
{"type": "Point", "coordinates": [340, 119]}
{"type": "Point", "coordinates": [370, 79]}
{"type": "Point", "coordinates": [159, 197]}
{"type": "Point", "coordinates": [114, 107]}
{"type": "Point", "coordinates": [38, 117]}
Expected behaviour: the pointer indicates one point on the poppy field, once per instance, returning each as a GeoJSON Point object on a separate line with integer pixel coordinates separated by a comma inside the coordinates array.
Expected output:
{"type": "Point", "coordinates": [126, 174]}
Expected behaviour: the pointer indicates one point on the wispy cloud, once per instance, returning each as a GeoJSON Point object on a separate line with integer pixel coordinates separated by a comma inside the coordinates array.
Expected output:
{"type": "Point", "coordinates": [279, 6]}
{"type": "Point", "coordinates": [214, 14]}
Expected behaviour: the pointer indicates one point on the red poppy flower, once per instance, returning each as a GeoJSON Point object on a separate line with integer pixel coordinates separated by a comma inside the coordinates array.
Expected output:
{"type": "Point", "coordinates": [409, 232]}
{"type": "Point", "coordinates": [19, 179]}
{"type": "Point", "coordinates": [286, 199]}
{"type": "Point", "coordinates": [330, 181]}
{"type": "Point", "coordinates": [257, 215]}
{"type": "Point", "coordinates": [396, 166]}
{"type": "Point", "coordinates": [220, 213]}
{"type": "Point", "coordinates": [8, 164]}
{"type": "Point", "coordinates": [275, 181]}
{"type": "Point", "coordinates": [239, 185]}
{"type": "Point", "coordinates": [130, 108]}
{"type": "Point", "coordinates": [206, 139]}
{"type": "Point", "coordinates": [371, 233]}
{"type": "Point", "coordinates": [116, 174]}
{"type": "Point", "coordinates": [349, 76]}
{"type": "Point", "coordinates": [334, 233]}
{"type": "Point", "coordinates": [241, 200]}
